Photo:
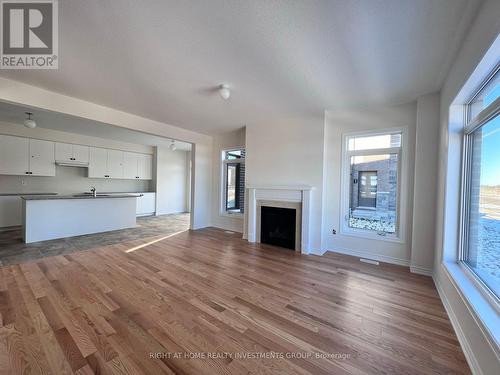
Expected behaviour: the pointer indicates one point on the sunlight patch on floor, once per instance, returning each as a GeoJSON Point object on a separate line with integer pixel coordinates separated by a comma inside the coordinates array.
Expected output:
{"type": "Point", "coordinates": [154, 241]}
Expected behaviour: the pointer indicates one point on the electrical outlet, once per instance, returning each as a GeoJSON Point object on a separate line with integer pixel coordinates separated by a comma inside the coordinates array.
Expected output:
{"type": "Point", "coordinates": [334, 231]}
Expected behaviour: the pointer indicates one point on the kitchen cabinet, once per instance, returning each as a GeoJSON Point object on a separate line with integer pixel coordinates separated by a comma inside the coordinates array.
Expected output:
{"type": "Point", "coordinates": [24, 156]}
{"type": "Point", "coordinates": [130, 165]}
{"type": "Point", "coordinates": [68, 152]}
{"type": "Point", "coordinates": [98, 163]}
{"type": "Point", "coordinates": [105, 163]}
{"type": "Point", "coordinates": [146, 205]}
{"type": "Point", "coordinates": [10, 211]}
{"type": "Point", "coordinates": [42, 158]}
{"type": "Point", "coordinates": [145, 167]}
{"type": "Point", "coordinates": [137, 166]}
{"type": "Point", "coordinates": [115, 164]}
{"type": "Point", "coordinates": [14, 155]}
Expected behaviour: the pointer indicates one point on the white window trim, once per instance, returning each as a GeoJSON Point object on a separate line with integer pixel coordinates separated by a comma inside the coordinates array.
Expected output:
{"type": "Point", "coordinates": [222, 190]}
{"type": "Point", "coordinates": [401, 213]}
{"type": "Point", "coordinates": [486, 115]}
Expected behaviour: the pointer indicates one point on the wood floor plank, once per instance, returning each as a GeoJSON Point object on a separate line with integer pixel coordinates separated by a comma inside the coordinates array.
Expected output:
{"type": "Point", "coordinates": [208, 302]}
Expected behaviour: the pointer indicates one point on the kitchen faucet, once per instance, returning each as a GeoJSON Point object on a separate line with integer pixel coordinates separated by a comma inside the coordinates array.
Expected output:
{"type": "Point", "coordinates": [93, 191]}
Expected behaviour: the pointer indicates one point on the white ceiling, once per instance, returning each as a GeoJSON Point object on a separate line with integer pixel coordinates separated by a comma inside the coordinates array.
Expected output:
{"type": "Point", "coordinates": [56, 121]}
{"type": "Point", "coordinates": [162, 59]}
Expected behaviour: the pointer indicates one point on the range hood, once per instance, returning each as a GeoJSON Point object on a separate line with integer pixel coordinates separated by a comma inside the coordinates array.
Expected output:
{"type": "Point", "coordinates": [72, 163]}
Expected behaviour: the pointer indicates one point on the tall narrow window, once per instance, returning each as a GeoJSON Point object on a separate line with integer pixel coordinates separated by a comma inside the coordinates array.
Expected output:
{"type": "Point", "coordinates": [371, 184]}
{"type": "Point", "coordinates": [480, 235]}
{"type": "Point", "coordinates": [233, 181]}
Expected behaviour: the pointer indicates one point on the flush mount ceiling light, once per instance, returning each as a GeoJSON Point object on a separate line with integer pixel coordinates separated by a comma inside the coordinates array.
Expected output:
{"type": "Point", "coordinates": [29, 123]}
{"type": "Point", "coordinates": [224, 91]}
{"type": "Point", "coordinates": [172, 146]}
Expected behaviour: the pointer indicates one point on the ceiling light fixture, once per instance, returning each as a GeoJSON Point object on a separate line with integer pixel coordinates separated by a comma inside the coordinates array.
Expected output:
{"type": "Point", "coordinates": [224, 91]}
{"type": "Point", "coordinates": [172, 146]}
{"type": "Point", "coordinates": [29, 123]}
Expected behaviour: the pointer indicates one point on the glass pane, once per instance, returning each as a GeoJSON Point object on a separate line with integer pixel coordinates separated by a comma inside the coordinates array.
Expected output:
{"type": "Point", "coordinates": [235, 154]}
{"type": "Point", "coordinates": [231, 186]}
{"type": "Point", "coordinates": [374, 192]}
{"type": "Point", "coordinates": [374, 142]}
{"type": "Point", "coordinates": [483, 250]}
{"type": "Point", "coordinates": [487, 96]}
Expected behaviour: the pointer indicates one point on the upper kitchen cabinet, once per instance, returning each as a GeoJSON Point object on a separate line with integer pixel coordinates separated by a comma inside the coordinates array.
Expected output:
{"type": "Point", "coordinates": [14, 155]}
{"type": "Point", "coordinates": [105, 163]}
{"type": "Point", "coordinates": [23, 156]}
{"type": "Point", "coordinates": [66, 152]}
{"type": "Point", "coordinates": [138, 166]}
{"type": "Point", "coordinates": [130, 165]}
{"type": "Point", "coordinates": [42, 158]}
{"type": "Point", "coordinates": [115, 164]}
{"type": "Point", "coordinates": [145, 167]}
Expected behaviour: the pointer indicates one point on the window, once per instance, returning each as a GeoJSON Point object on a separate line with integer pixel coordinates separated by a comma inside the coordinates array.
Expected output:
{"type": "Point", "coordinates": [371, 186]}
{"type": "Point", "coordinates": [480, 214]}
{"type": "Point", "coordinates": [233, 181]}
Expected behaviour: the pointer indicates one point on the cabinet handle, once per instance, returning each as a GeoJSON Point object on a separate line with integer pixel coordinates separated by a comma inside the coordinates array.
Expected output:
{"type": "Point", "coordinates": [27, 172]}
{"type": "Point", "coordinates": [106, 175]}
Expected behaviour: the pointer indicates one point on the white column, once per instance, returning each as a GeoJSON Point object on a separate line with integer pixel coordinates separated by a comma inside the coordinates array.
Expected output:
{"type": "Point", "coordinates": [306, 213]}
{"type": "Point", "coordinates": [252, 215]}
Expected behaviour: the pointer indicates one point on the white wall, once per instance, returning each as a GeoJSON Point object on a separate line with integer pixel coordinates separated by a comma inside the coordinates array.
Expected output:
{"type": "Point", "coordinates": [336, 124]}
{"type": "Point", "coordinates": [172, 183]}
{"type": "Point", "coordinates": [34, 97]}
{"type": "Point", "coordinates": [425, 184]}
{"type": "Point", "coordinates": [222, 142]}
{"type": "Point", "coordinates": [289, 153]}
{"type": "Point", "coordinates": [482, 354]}
{"type": "Point", "coordinates": [70, 180]}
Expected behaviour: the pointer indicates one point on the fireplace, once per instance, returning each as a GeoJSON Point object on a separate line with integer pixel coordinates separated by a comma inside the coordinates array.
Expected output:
{"type": "Point", "coordinates": [296, 198]}
{"type": "Point", "coordinates": [277, 226]}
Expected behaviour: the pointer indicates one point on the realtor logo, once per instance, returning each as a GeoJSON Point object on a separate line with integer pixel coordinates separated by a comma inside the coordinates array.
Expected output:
{"type": "Point", "coordinates": [29, 37]}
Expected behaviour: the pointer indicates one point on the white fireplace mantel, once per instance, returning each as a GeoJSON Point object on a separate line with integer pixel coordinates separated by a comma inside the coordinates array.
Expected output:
{"type": "Point", "coordinates": [280, 193]}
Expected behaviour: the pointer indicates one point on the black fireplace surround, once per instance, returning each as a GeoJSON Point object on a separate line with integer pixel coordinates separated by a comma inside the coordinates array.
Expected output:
{"type": "Point", "coordinates": [277, 226]}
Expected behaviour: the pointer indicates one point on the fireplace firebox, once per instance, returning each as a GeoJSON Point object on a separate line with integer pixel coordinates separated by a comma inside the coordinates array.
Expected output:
{"type": "Point", "coordinates": [277, 226]}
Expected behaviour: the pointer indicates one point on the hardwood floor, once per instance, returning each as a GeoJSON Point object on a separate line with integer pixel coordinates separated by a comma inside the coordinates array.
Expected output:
{"type": "Point", "coordinates": [207, 302]}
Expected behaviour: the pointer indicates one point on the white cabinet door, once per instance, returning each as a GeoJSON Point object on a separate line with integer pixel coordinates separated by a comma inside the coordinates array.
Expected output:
{"type": "Point", "coordinates": [115, 164]}
{"type": "Point", "coordinates": [81, 153]}
{"type": "Point", "coordinates": [146, 205]}
{"type": "Point", "coordinates": [130, 165]}
{"type": "Point", "coordinates": [98, 163]}
{"type": "Point", "coordinates": [145, 166]}
{"type": "Point", "coordinates": [42, 158]}
{"type": "Point", "coordinates": [64, 151]}
{"type": "Point", "coordinates": [10, 211]}
{"type": "Point", "coordinates": [14, 155]}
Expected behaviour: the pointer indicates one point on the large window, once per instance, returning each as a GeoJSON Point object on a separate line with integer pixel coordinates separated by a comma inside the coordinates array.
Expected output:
{"type": "Point", "coordinates": [371, 184]}
{"type": "Point", "coordinates": [480, 234]}
{"type": "Point", "coordinates": [233, 181]}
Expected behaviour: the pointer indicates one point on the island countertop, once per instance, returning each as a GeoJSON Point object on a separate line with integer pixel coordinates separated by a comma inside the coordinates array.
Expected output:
{"type": "Point", "coordinates": [77, 196]}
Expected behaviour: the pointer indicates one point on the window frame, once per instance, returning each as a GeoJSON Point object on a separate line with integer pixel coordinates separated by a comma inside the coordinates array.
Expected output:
{"type": "Point", "coordinates": [402, 184]}
{"type": "Point", "coordinates": [223, 183]}
{"type": "Point", "coordinates": [470, 127]}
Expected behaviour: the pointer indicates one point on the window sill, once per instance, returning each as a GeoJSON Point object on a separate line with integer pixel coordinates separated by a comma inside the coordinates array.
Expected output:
{"type": "Point", "coordinates": [234, 215]}
{"type": "Point", "coordinates": [484, 310]}
{"type": "Point", "coordinates": [370, 236]}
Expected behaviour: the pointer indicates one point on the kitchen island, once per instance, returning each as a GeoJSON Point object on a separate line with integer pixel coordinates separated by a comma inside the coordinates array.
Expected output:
{"type": "Point", "coordinates": [47, 217]}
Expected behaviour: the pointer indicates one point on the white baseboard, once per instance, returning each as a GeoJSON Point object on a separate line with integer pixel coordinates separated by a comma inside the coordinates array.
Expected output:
{"type": "Point", "coordinates": [462, 338]}
{"type": "Point", "coordinates": [422, 270]}
{"type": "Point", "coordinates": [380, 258]}
{"type": "Point", "coordinates": [316, 252]}
{"type": "Point", "coordinates": [227, 227]}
